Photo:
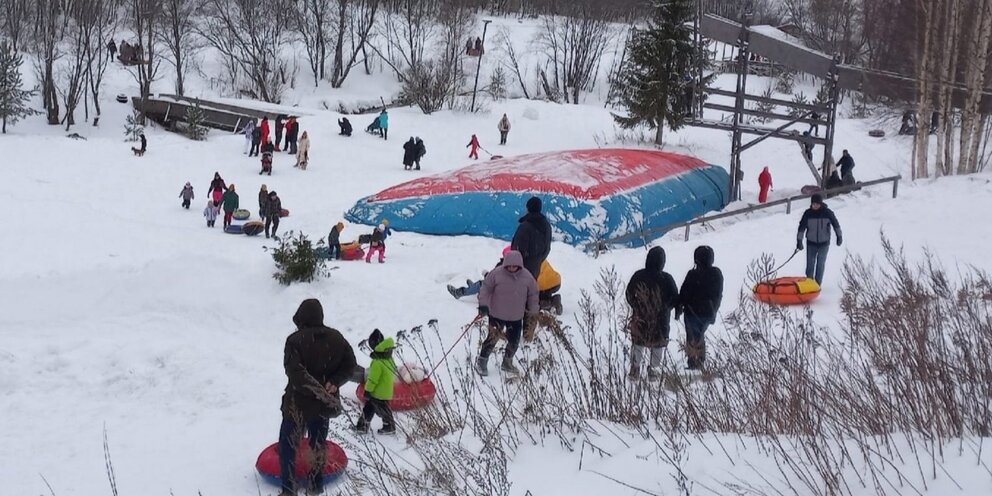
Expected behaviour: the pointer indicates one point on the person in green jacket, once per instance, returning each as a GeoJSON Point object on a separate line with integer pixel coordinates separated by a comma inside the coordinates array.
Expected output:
{"type": "Point", "coordinates": [379, 385]}
{"type": "Point", "coordinates": [230, 201]}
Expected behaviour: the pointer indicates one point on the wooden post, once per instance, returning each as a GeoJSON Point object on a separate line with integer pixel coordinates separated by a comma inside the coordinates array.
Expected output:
{"type": "Point", "coordinates": [687, 231]}
{"type": "Point", "coordinates": [895, 187]}
{"type": "Point", "coordinates": [788, 206]}
{"type": "Point", "coordinates": [475, 88]}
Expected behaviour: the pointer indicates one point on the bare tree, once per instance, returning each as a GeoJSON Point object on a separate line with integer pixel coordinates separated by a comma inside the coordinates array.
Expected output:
{"type": "Point", "coordinates": [146, 18]}
{"type": "Point", "coordinates": [252, 33]}
{"type": "Point", "coordinates": [356, 18]}
{"type": "Point", "coordinates": [179, 36]}
{"type": "Point", "coordinates": [107, 14]}
{"type": "Point", "coordinates": [574, 43]}
{"type": "Point", "coordinates": [71, 73]}
{"type": "Point", "coordinates": [312, 21]}
{"type": "Point", "coordinates": [48, 29]}
{"type": "Point", "coordinates": [831, 26]}
{"type": "Point", "coordinates": [506, 40]}
{"type": "Point", "coordinates": [408, 28]}
{"type": "Point", "coordinates": [976, 74]}
{"type": "Point", "coordinates": [16, 17]}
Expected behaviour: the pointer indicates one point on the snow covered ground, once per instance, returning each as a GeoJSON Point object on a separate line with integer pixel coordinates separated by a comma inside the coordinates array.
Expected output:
{"type": "Point", "coordinates": [122, 310]}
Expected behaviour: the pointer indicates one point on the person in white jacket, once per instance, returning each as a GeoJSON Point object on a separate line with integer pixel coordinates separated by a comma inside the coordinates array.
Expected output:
{"type": "Point", "coordinates": [303, 152]}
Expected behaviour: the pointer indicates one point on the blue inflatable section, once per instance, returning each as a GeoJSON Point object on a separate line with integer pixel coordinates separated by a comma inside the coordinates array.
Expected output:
{"type": "Point", "coordinates": [576, 221]}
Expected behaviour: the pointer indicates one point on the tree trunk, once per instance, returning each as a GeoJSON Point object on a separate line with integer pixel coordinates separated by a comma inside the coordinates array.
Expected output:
{"type": "Point", "coordinates": [659, 134]}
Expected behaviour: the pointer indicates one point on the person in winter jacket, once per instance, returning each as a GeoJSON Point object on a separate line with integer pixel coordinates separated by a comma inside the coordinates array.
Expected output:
{"type": "Point", "coordinates": [834, 180]}
{"type": "Point", "coordinates": [303, 154]}
{"type": "Point", "coordinates": [273, 212]}
{"type": "Point", "coordinates": [533, 237]}
{"type": "Point", "coordinates": [508, 294]}
{"type": "Point", "coordinates": [292, 135]}
{"type": "Point", "coordinates": [186, 194]}
{"type": "Point", "coordinates": [379, 385]}
{"type": "Point", "coordinates": [652, 295]}
{"type": "Point", "coordinates": [334, 241]}
{"type": "Point", "coordinates": [764, 183]}
{"type": "Point", "coordinates": [279, 128]}
{"type": "Point", "coordinates": [230, 201]}
{"type": "Point", "coordinates": [846, 164]}
{"type": "Point", "coordinates": [700, 297]}
{"type": "Point", "coordinates": [409, 153]}
{"type": "Point", "coordinates": [144, 143]}
{"type": "Point", "coordinates": [264, 126]}
{"type": "Point", "coordinates": [211, 212]}
{"type": "Point", "coordinates": [471, 287]}
{"type": "Point", "coordinates": [267, 151]}
{"type": "Point", "coordinates": [345, 125]}
{"type": "Point", "coordinates": [473, 143]}
{"type": "Point", "coordinates": [377, 244]}
{"type": "Point", "coordinates": [504, 129]}
{"type": "Point", "coordinates": [548, 285]}
{"type": "Point", "coordinates": [421, 151]}
{"type": "Point", "coordinates": [384, 124]}
{"type": "Point", "coordinates": [318, 360]}
{"type": "Point", "coordinates": [815, 224]}
{"type": "Point", "coordinates": [256, 141]}
{"type": "Point", "coordinates": [217, 188]}
{"type": "Point", "coordinates": [263, 201]}
{"type": "Point", "coordinates": [249, 130]}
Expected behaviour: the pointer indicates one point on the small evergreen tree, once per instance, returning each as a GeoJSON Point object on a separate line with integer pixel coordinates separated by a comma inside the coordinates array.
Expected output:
{"type": "Point", "coordinates": [799, 99]}
{"type": "Point", "coordinates": [656, 81]}
{"type": "Point", "coordinates": [195, 129]}
{"type": "Point", "coordinates": [13, 99]}
{"type": "Point", "coordinates": [296, 259]}
{"type": "Point", "coordinates": [132, 126]}
{"type": "Point", "coordinates": [497, 83]}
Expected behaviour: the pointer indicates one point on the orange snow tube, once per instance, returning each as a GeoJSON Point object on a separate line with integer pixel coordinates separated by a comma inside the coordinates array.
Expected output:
{"type": "Point", "coordinates": [787, 291]}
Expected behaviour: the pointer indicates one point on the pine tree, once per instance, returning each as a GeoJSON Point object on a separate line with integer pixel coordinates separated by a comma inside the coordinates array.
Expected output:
{"type": "Point", "coordinates": [296, 259]}
{"type": "Point", "coordinates": [656, 80]}
{"type": "Point", "coordinates": [132, 126]}
{"type": "Point", "coordinates": [195, 130]}
{"type": "Point", "coordinates": [13, 99]}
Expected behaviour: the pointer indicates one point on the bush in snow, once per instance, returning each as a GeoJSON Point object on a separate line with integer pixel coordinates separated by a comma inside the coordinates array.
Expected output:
{"type": "Point", "coordinates": [428, 84]}
{"type": "Point", "coordinates": [13, 99]}
{"type": "Point", "coordinates": [296, 259]}
{"type": "Point", "coordinates": [195, 129]}
{"type": "Point", "coordinates": [132, 126]}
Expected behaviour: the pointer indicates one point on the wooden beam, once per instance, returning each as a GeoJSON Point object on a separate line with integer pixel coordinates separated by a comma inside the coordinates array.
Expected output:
{"type": "Point", "coordinates": [820, 109]}
{"type": "Point", "coordinates": [768, 115]}
{"type": "Point", "coordinates": [726, 126]}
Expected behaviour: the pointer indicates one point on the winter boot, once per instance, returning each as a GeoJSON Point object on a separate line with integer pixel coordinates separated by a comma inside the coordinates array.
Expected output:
{"type": "Point", "coordinates": [456, 292]}
{"type": "Point", "coordinates": [361, 427]}
{"type": "Point", "coordinates": [287, 492]}
{"type": "Point", "coordinates": [482, 365]}
{"type": "Point", "coordinates": [508, 366]}
{"type": "Point", "coordinates": [387, 430]}
{"type": "Point", "coordinates": [556, 303]}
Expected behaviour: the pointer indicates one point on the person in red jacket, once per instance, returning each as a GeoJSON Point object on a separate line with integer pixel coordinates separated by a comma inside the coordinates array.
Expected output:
{"type": "Point", "coordinates": [474, 144]}
{"type": "Point", "coordinates": [264, 126]}
{"type": "Point", "coordinates": [764, 182]}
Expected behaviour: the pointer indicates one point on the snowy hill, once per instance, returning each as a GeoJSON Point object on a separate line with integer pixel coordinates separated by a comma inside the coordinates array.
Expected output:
{"type": "Point", "coordinates": [122, 310]}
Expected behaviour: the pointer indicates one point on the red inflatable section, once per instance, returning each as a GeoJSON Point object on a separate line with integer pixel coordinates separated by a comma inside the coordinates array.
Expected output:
{"type": "Point", "coordinates": [268, 461]}
{"type": "Point", "coordinates": [352, 251]}
{"type": "Point", "coordinates": [406, 396]}
{"type": "Point", "coordinates": [583, 174]}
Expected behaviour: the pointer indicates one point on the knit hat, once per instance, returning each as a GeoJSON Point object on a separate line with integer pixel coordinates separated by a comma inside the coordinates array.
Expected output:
{"type": "Point", "coordinates": [265, 188]}
{"type": "Point", "coordinates": [534, 205]}
{"type": "Point", "coordinates": [230, 187]}
{"type": "Point", "coordinates": [340, 226]}
{"type": "Point", "coordinates": [272, 193]}
{"type": "Point", "coordinates": [817, 198]}
{"type": "Point", "coordinates": [385, 222]}
{"type": "Point", "coordinates": [507, 249]}
{"type": "Point", "coordinates": [382, 227]}
{"type": "Point", "coordinates": [375, 338]}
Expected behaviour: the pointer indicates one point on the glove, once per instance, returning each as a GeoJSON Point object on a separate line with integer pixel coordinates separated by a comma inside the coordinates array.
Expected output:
{"type": "Point", "coordinates": [799, 245]}
{"type": "Point", "coordinates": [840, 240]}
{"type": "Point", "coordinates": [484, 311]}
{"type": "Point", "coordinates": [367, 396]}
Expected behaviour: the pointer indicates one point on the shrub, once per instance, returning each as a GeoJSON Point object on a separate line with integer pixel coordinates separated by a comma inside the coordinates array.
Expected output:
{"type": "Point", "coordinates": [296, 259]}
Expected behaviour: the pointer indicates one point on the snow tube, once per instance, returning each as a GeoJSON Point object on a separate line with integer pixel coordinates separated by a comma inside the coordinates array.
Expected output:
{"type": "Point", "coordinates": [810, 189]}
{"type": "Point", "coordinates": [233, 229]}
{"type": "Point", "coordinates": [588, 196]}
{"type": "Point", "coordinates": [787, 291]}
{"type": "Point", "coordinates": [252, 228]}
{"type": "Point", "coordinates": [268, 463]}
{"type": "Point", "coordinates": [406, 397]}
{"type": "Point", "coordinates": [284, 213]}
{"type": "Point", "coordinates": [352, 251]}
{"type": "Point", "coordinates": [241, 214]}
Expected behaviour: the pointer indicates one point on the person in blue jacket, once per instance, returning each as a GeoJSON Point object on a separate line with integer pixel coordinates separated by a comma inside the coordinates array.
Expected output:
{"type": "Point", "coordinates": [384, 124]}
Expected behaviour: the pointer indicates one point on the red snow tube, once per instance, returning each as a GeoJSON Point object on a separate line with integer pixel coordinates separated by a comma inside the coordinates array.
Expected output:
{"type": "Point", "coordinates": [352, 251]}
{"type": "Point", "coordinates": [787, 290]}
{"type": "Point", "coordinates": [268, 463]}
{"type": "Point", "coordinates": [406, 397]}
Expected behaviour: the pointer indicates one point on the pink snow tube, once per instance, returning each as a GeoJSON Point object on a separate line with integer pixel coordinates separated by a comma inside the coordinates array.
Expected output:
{"type": "Point", "coordinates": [268, 463]}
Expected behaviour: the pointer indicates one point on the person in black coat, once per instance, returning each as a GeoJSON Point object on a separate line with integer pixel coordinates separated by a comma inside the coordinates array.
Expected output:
{"type": "Point", "coordinates": [256, 141]}
{"type": "Point", "coordinates": [279, 128]}
{"type": "Point", "coordinates": [409, 153]}
{"type": "Point", "coordinates": [815, 225]}
{"type": "Point", "coordinates": [652, 295]}
{"type": "Point", "coordinates": [318, 361]}
{"type": "Point", "coordinates": [421, 151]}
{"type": "Point", "coordinates": [533, 237]}
{"type": "Point", "coordinates": [345, 126]}
{"type": "Point", "coordinates": [700, 297]}
{"type": "Point", "coordinates": [846, 164]}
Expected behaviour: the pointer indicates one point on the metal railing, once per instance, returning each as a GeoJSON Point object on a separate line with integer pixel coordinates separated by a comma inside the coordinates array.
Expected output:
{"type": "Point", "coordinates": [646, 235]}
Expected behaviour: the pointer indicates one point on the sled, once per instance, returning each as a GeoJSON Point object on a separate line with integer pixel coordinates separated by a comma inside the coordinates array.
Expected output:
{"type": "Point", "coordinates": [787, 291]}
{"type": "Point", "coordinates": [233, 229]}
{"type": "Point", "coordinates": [252, 228]}
{"type": "Point", "coordinates": [334, 466]}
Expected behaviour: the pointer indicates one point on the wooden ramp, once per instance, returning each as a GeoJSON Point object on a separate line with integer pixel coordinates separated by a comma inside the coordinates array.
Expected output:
{"type": "Point", "coordinates": [170, 109]}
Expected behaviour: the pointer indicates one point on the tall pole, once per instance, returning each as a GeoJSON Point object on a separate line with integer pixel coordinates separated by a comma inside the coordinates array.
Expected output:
{"type": "Point", "coordinates": [475, 87]}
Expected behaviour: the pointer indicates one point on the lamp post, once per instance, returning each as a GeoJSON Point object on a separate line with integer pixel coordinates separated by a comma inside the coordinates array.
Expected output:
{"type": "Point", "coordinates": [475, 87]}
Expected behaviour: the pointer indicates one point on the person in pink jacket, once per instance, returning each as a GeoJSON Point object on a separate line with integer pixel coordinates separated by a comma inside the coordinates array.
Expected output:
{"type": "Point", "coordinates": [508, 293]}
